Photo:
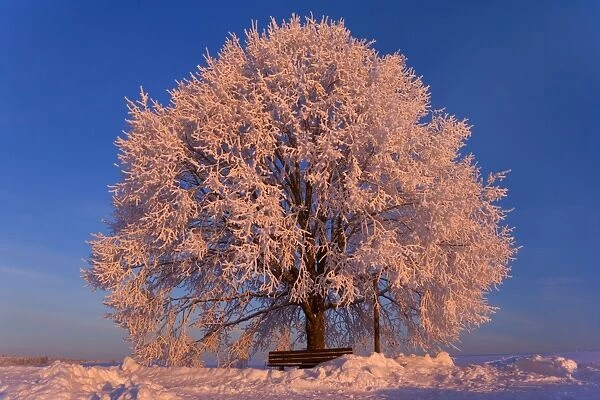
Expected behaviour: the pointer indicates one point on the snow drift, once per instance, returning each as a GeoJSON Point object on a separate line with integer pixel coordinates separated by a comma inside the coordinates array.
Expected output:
{"type": "Point", "coordinates": [373, 377]}
{"type": "Point", "coordinates": [550, 366]}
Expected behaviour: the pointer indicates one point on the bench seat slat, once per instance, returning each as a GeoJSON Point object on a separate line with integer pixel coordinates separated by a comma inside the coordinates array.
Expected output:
{"type": "Point", "coordinates": [321, 359]}
{"type": "Point", "coordinates": [307, 357]}
{"type": "Point", "coordinates": [322, 351]}
{"type": "Point", "coordinates": [304, 356]}
{"type": "Point", "coordinates": [300, 359]}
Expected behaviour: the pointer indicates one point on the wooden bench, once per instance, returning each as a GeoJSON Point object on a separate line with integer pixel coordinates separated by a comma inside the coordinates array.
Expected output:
{"type": "Point", "coordinates": [304, 358]}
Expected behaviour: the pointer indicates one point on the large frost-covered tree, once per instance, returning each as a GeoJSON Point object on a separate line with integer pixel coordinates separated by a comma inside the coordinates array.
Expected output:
{"type": "Point", "coordinates": [296, 182]}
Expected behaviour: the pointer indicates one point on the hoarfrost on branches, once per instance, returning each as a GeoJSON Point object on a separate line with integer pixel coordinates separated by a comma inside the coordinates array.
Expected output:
{"type": "Point", "coordinates": [292, 184]}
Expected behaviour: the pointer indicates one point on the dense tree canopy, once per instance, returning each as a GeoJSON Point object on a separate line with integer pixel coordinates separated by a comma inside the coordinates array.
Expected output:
{"type": "Point", "coordinates": [295, 182]}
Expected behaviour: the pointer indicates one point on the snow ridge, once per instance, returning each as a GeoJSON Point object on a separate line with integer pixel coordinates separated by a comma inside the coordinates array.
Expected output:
{"type": "Point", "coordinates": [372, 377]}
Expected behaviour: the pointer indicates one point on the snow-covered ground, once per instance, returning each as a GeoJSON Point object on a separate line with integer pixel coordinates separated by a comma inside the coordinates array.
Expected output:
{"type": "Point", "coordinates": [575, 376]}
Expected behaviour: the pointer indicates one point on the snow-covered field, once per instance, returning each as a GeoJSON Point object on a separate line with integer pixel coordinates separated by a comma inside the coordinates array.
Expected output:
{"type": "Point", "coordinates": [574, 376]}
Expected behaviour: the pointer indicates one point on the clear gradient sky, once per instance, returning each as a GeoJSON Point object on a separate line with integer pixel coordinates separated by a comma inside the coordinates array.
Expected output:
{"type": "Point", "coordinates": [525, 73]}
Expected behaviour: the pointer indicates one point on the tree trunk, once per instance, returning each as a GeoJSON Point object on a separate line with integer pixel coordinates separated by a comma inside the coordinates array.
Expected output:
{"type": "Point", "coordinates": [315, 330]}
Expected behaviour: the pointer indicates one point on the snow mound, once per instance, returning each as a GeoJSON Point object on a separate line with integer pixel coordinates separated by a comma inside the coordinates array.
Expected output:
{"type": "Point", "coordinates": [442, 360]}
{"type": "Point", "coordinates": [370, 372]}
{"type": "Point", "coordinates": [374, 377]}
{"type": "Point", "coordinates": [550, 366]}
{"type": "Point", "coordinates": [373, 371]}
{"type": "Point", "coordinates": [130, 365]}
{"type": "Point", "coordinates": [67, 381]}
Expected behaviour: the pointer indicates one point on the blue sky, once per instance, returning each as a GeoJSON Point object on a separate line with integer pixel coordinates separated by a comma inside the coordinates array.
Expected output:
{"type": "Point", "coordinates": [525, 74]}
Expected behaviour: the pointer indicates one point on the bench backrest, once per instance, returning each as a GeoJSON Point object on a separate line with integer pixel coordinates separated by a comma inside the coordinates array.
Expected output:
{"type": "Point", "coordinates": [305, 357]}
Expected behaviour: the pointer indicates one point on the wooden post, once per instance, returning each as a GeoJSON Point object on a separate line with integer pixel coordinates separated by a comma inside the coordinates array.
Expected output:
{"type": "Point", "coordinates": [376, 332]}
